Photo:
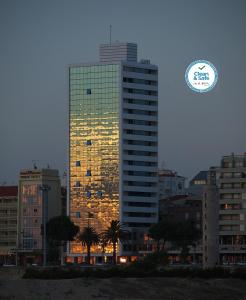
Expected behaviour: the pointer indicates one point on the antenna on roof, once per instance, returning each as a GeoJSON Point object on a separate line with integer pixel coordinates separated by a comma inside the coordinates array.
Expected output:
{"type": "Point", "coordinates": [110, 32]}
{"type": "Point", "coordinates": [34, 162]}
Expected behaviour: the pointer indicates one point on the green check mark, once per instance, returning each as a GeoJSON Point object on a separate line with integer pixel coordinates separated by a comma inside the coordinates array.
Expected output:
{"type": "Point", "coordinates": [201, 67]}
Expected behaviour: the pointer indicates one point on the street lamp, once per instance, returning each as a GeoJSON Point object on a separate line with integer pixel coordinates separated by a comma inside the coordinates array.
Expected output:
{"type": "Point", "coordinates": [44, 188]}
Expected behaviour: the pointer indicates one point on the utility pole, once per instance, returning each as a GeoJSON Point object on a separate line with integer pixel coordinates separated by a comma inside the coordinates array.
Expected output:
{"type": "Point", "coordinates": [44, 188]}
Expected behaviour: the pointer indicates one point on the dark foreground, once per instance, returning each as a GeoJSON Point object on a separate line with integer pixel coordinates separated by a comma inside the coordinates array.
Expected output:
{"type": "Point", "coordinates": [123, 288]}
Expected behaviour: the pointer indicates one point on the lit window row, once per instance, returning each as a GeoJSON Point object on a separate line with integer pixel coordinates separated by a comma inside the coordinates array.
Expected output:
{"type": "Point", "coordinates": [98, 193]}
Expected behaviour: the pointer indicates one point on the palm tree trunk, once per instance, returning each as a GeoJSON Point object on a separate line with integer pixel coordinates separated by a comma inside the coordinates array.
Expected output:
{"type": "Point", "coordinates": [88, 254]}
{"type": "Point", "coordinates": [114, 254]}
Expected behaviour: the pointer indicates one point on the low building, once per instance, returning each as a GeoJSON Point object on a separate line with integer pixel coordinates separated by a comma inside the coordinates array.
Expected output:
{"type": "Point", "coordinates": [39, 200]}
{"type": "Point", "coordinates": [8, 223]}
{"type": "Point", "coordinates": [182, 208]}
{"type": "Point", "coordinates": [170, 184]}
{"type": "Point", "coordinates": [197, 183]}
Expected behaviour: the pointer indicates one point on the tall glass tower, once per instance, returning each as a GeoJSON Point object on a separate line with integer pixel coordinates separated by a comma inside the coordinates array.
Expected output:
{"type": "Point", "coordinates": [113, 140]}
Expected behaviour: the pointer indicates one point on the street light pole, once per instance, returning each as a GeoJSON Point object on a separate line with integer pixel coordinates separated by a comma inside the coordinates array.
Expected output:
{"type": "Point", "coordinates": [44, 188]}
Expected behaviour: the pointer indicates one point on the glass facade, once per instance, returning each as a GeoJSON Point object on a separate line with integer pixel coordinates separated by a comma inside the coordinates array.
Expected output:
{"type": "Point", "coordinates": [31, 237]}
{"type": "Point", "coordinates": [94, 94]}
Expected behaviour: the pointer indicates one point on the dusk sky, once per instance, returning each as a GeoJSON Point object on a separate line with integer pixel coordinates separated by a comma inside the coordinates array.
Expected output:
{"type": "Point", "coordinates": [39, 39]}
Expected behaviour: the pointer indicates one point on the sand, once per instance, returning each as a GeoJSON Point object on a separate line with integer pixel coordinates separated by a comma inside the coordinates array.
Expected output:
{"type": "Point", "coordinates": [13, 287]}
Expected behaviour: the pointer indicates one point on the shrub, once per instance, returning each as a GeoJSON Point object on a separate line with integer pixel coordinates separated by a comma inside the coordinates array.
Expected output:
{"type": "Point", "coordinates": [136, 269]}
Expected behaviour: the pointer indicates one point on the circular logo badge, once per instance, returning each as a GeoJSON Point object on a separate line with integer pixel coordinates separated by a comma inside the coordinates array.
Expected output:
{"type": "Point", "coordinates": [201, 76]}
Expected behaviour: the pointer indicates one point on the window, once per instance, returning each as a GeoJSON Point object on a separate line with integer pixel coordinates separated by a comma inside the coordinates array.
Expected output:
{"type": "Point", "coordinates": [77, 163]}
{"type": "Point", "coordinates": [239, 164]}
{"type": "Point", "coordinates": [88, 194]}
{"type": "Point", "coordinates": [226, 175]}
{"type": "Point", "coordinates": [199, 182]}
{"type": "Point", "coordinates": [139, 70]}
{"type": "Point", "coordinates": [77, 214]}
{"type": "Point", "coordinates": [230, 206]}
{"type": "Point", "coordinates": [30, 200]}
{"type": "Point", "coordinates": [140, 204]}
{"type": "Point", "coordinates": [88, 92]}
{"type": "Point", "coordinates": [99, 194]}
{"type": "Point", "coordinates": [88, 173]}
{"type": "Point", "coordinates": [226, 185]}
{"type": "Point", "coordinates": [140, 102]}
{"type": "Point", "coordinates": [229, 227]}
{"type": "Point", "coordinates": [226, 196]}
{"type": "Point", "coordinates": [229, 217]}
{"type": "Point", "coordinates": [139, 215]}
{"type": "Point", "coordinates": [77, 184]}
{"type": "Point", "coordinates": [88, 143]}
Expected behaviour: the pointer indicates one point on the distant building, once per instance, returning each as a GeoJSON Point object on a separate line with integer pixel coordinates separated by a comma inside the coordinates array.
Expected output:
{"type": "Point", "coordinates": [170, 184]}
{"type": "Point", "coordinates": [8, 223]}
{"type": "Point", "coordinates": [113, 142]}
{"type": "Point", "coordinates": [182, 208]}
{"type": "Point", "coordinates": [197, 183]}
{"type": "Point", "coordinates": [39, 200]}
{"type": "Point", "coordinates": [232, 208]}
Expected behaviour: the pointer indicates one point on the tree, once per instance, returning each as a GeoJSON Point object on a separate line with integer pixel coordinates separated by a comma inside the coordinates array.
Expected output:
{"type": "Point", "coordinates": [113, 234]}
{"type": "Point", "coordinates": [61, 229]}
{"type": "Point", "coordinates": [89, 237]}
{"type": "Point", "coordinates": [184, 235]}
{"type": "Point", "coordinates": [103, 244]}
{"type": "Point", "coordinates": [161, 232]}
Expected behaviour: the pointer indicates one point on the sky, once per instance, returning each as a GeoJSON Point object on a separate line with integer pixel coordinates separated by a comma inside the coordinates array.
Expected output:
{"type": "Point", "coordinates": [39, 39]}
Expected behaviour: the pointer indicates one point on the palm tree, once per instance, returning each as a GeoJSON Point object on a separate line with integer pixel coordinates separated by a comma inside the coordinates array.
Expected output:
{"type": "Point", "coordinates": [88, 237]}
{"type": "Point", "coordinates": [61, 229]}
{"type": "Point", "coordinates": [113, 234]}
{"type": "Point", "coordinates": [103, 244]}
